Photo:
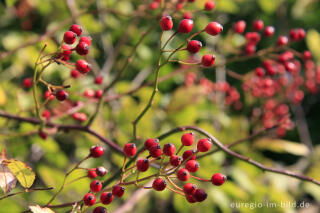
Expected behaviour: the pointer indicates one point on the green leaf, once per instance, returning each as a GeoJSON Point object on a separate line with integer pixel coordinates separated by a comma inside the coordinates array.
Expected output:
{"type": "Point", "coordinates": [10, 3]}
{"type": "Point", "coordinates": [269, 6]}
{"type": "Point", "coordinates": [22, 172]}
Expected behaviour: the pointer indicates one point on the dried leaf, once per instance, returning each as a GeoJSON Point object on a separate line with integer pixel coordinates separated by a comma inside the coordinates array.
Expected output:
{"type": "Point", "coordinates": [21, 171]}
{"type": "Point", "coordinates": [38, 209]}
{"type": "Point", "coordinates": [7, 179]}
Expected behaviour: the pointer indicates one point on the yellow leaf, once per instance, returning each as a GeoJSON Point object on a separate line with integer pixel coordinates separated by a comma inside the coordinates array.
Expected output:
{"type": "Point", "coordinates": [7, 179]}
{"type": "Point", "coordinates": [38, 209]}
{"type": "Point", "coordinates": [313, 42]}
{"type": "Point", "coordinates": [3, 97]}
{"type": "Point", "coordinates": [21, 171]}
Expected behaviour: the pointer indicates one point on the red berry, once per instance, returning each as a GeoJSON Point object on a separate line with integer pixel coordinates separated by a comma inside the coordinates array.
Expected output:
{"type": "Point", "coordinates": [269, 31]}
{"type": "Point", "coordinates": [86, 39]}
{"type": "Point", "coordinates": [46, 114]}
{"type": "Point", "coordinates": [252, 37]}
{"type": "Point", "coordinates": [282, 40]}
{"type": "Point", "coordinates": [213, 28]}
{"type": "Point", "coordinates": [239, 26]}
{"type": "Point", "coordinates": [155, 151]}
{"type": "Point", "coordinates": [189, 188]}
{"type": "Point", "coordinates": [175, 160]}
{"type": "Point", "coordinates": [218, 179]}
{"type": "Point", "coordinates": [118, 191]}
{"type": "Point", "coordinates": [95, 186]}
{"type": "Point", "coordinates": [27, 83]}
{"type": "Point", "coordinates": [82, 66]}
{"type": "Point", "coordinates": [307, 55]}
{"type": "Point", "coordinates": [259, 71]}
{"type": "Point", "coordinates": [250, 49]}
{"type": "Point", "coordinates": [183, 174]}
{"type": "Point", "coordinates": [169, 149]}
{"type": "Point", "coordinates": [79, 116]}
{"type": "Point", "coordinates": [101, 171]}
{"type": "Point", "coordinates": [99, 209]}
{"type": "Point", "coordinates": [92, 173]}
{"type": "Point", "coordinates": [200, 195]}
{"type": "Point", "coordinates": [150, 143]}
{"type": "Point", "coordinates": [301, 33]}
{"type": "Point", "coordinates": [98, 94]}
{"type": "Point", "coordinates": [154, 5]}
{"type": "Point", "coordinates": [61, 95]}
{"type": "Point", "coordinates": [194, 46]}
{"type": "Point", "coordinates": [66, 52]}
{"type": "Point", "coordinates": [258, 25]}
{"type": "Point", "coordinates": [106, 198]}
{"type": "Point", "coordinates": [166, 23]}
{"type": "Point", "coordinates": [130, 149]}
{"type": "Point", "coordinates": [77, 29]}
{"type": "Point", "coordinates": [69, 37]}
{"type": "Point", "coordinates": [204, 145]}
{"type": "Point", "coordinates": [89, 93]}
{"type": "Point", "coordinates": [209, 5]}
{"type": "Point", "coordinates": [208, 60]}
{"type": "Point", "coordinates": [187, 15]}
{"type": "Point", "coordinates": [43, 135]}
{"type": "Point", "coordinates": [190, 199]}
{"type": "Point", "coordinates": [187, 154]}
{"type": "Point", "coordinates": [82, 48]}
{"type": "Point", "coordinates": [48, 95]}
{"type": "Point", "coordinates": [159, 184]}
{"type": "Point", "coordinates": [98, 80]}
{"type": "Point", "coordinates": [192, 166]}
{"type": "Point", "coordinates": [96, 151]}
{"type": "Point", "coordinates": [89, 199]}
{"type": "Point", "coordinates": [74, 74]}
{"type": "Point", "coordinates": [179, 6]}
{"type": "Point", "coordinates": [187, 139]}
{"type": "Point", "coordinates": [185, 26]}
{"type": "Point", "coordinates": [143, 165]}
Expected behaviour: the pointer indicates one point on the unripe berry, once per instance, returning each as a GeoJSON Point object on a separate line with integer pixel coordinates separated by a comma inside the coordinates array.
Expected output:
{"type": "Point", "coordinates": [213, 28]}
{"type": "Point", "coordinates": [150, 143]}
{"type": "Point", "coordinates": [82, 48]}
{"type": "Point", "coordinates": [169, 149]}
{"type": "Point", "coordinates": [98, 80]}
{"type": "Point", "coordinates": [218, 179]}
{"type": "Point", "coordinates": [82, 66]}
{"type": "Point", "coordinates": [118, 191]}
{"type": "Point", "coordinates": [96, 151]}
{"type": "Point", "coordinates": [77, 29]}
{"type": "Point", "coordinates": [192, 166]}
{"type": "Point", "coordinates": [183, 174]}
{"type": "Point", "coordinates": [99, 209]}
{"type": "Point", "coordinates": [209, 5]}
{"type": "Point", "coordinates": [159, 184]}
{"type": "Point", "coordinates": [106, 198]}
{"type": "Point", "coordinates": [187, 139]}
{"type": "Point", "coordinates": [175, 160]}
{"type": "Point", "coordinates": [143, 165]}
{"type": "Point", "coordinates": [46, 114]}
{"type": "Point", "coordinates": [282, 40]}
{"type": "Point", "coordinates": [98, 94]}
{"type": "Point", "coordinates": [190, 199]}
{"type": "Point", "coordinates": [187, 154]}
{"type": "Point", "coordinates": [74, 74]}
{"type": "Point", "coordinates": [130, 149]}
{"type": "Point", "coordinates": [258, 25]}
{"type": "Point", "coordinates": [185, 26]}
{"type": "Point", "coordinates": [194, 46]}
{"type": "Point", "coordinates": [204, 145]}
{"type": "Point", "coordinates": [208, 60]}
{"type": "Point", "coordinates": [89, 199]}
{"type": "Point", "coordinates": [189, 188]}
{"type": "Point", "coordinates": [69, 37]}
{"type": "Point", "coordinates": [61, 95]}
{"type": "Point", "coordinates": [27, 83]}
{"type": "Point", "coordinates": [86, 39]}
{"type": "Point", "coordinates": [239, 26]}
{"type": "Point", "coordinates": [155, 151]}
{"type": "Point", "coordinates": [200, 195]}
{"type": "Point", "coordinates": [269, 31]}
{"type": "Point", "coordinates": [166, 23]}
{"type": "Point", "coordinates": [89, 93]}
{"type": "Point", "coordinates": [95, 186]}
{"type": "Point", "coordinates": [101, 171]}
{"type": "Point", "coordinates": [92, 173]}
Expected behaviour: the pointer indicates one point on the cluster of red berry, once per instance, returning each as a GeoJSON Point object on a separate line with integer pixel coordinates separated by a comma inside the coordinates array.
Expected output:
{"type": "Point", "coordinates": [208, 5]}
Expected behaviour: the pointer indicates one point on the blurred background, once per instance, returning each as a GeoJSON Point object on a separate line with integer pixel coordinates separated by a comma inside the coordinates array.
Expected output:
{"type": "Point", "coordinates": [26, 25]}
